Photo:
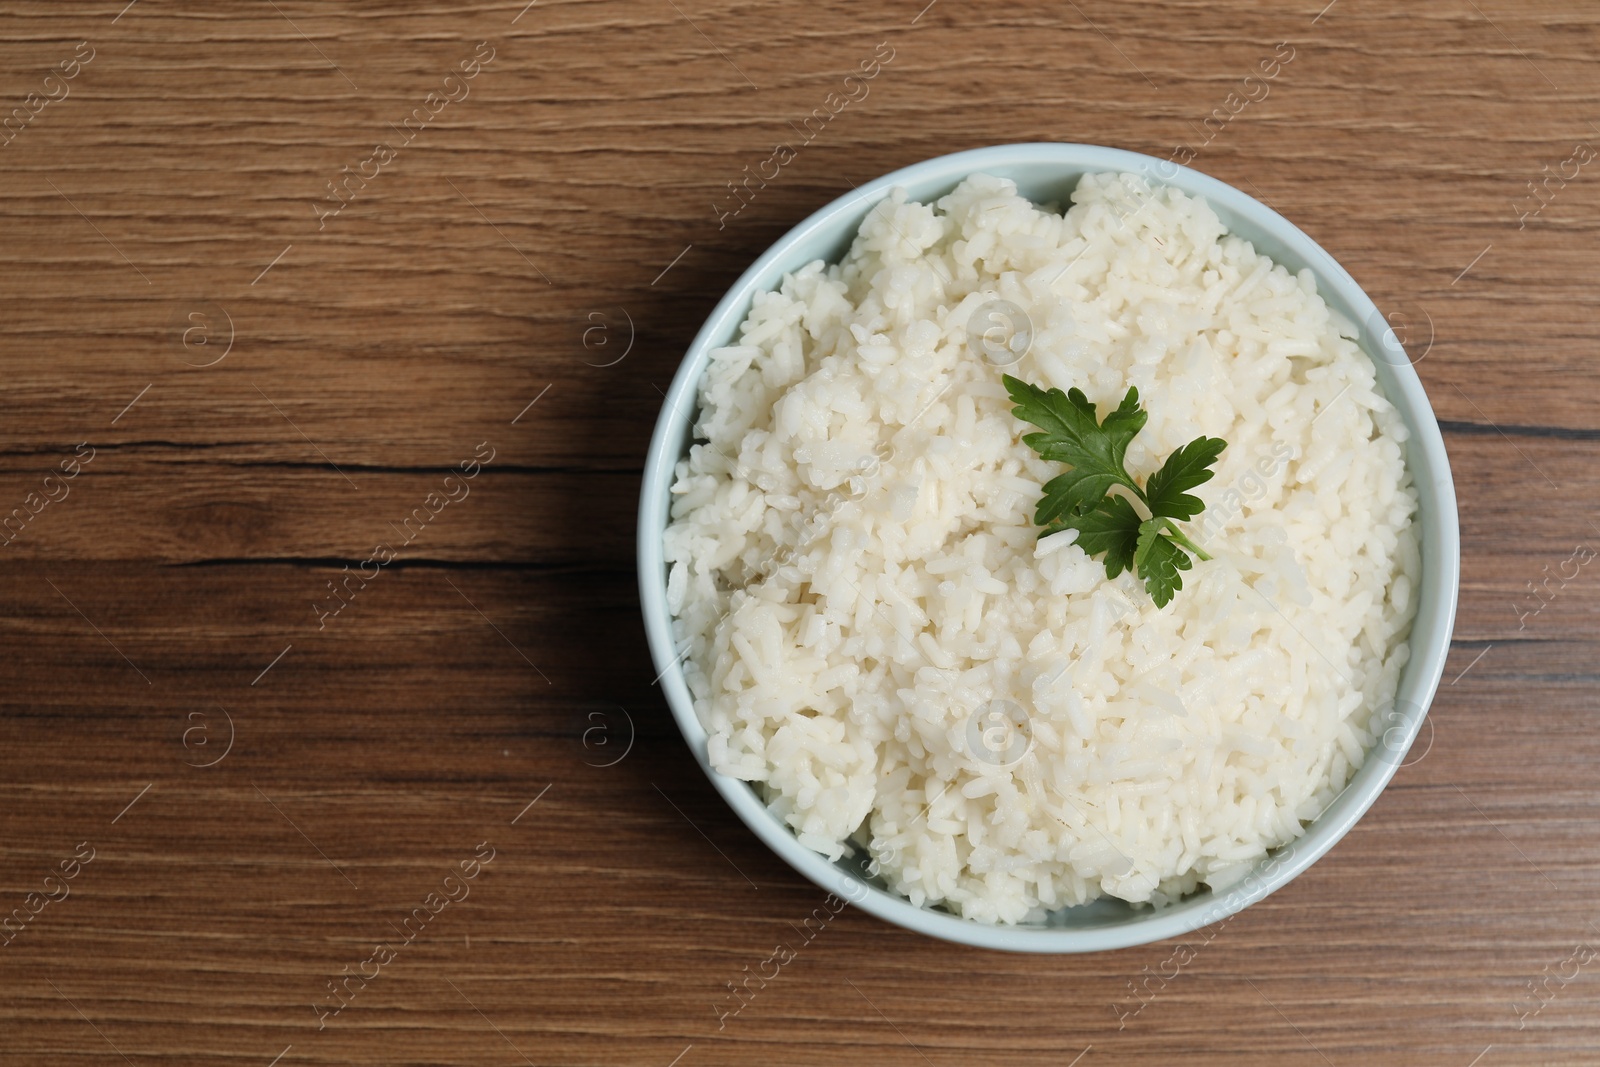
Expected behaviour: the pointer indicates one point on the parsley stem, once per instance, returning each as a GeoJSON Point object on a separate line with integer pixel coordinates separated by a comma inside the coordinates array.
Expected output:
{"type": "Point", "coordinates": [1177, 535]}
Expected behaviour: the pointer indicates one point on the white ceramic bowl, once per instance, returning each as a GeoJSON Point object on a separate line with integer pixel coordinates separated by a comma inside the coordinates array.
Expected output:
{"type": "Point", "coordinates": [1043, 173]}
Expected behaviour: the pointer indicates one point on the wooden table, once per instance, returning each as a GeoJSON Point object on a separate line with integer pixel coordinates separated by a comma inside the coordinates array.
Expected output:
{"type": "Point", "coordinates": [275, 271]}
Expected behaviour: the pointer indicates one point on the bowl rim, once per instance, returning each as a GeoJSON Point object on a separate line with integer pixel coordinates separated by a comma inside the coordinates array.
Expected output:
{"type": "Point", "coordinates": [1439, 539]}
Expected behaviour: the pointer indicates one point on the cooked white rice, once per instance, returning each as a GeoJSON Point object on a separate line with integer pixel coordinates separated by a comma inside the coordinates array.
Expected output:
{"type": "Point", "coordinates": [855, 571]}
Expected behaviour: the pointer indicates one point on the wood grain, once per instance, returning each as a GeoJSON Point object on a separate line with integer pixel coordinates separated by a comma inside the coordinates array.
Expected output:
{"type": "Point", "coordinates": [553, 238]}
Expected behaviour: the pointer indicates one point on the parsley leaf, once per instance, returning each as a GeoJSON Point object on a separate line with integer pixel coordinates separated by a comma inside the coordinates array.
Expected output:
{"type": "Point", "coordinates": [1159, 559]}
{"type": "Point", "coordinates": [1113, 528]}
{"type": "Point", "coordinates": [1072, 435]}
{"type": "Point", "coordinates": [1184, 469]}
{"type": "Point", "coordinates": [1068, 495]}
{"type": "Point", "coordinates": [1081, 499]}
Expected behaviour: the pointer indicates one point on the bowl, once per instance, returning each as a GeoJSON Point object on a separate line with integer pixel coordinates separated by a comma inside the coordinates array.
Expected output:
{"type": "Point", "coordinates": [1045, 173]}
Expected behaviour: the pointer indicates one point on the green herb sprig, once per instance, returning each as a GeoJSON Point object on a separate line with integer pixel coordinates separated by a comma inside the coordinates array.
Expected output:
{"type": "Point", "coordinates": [1081, 499]}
